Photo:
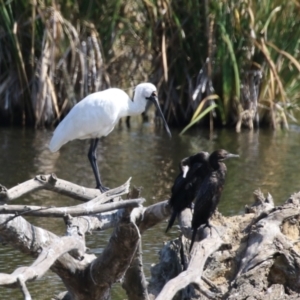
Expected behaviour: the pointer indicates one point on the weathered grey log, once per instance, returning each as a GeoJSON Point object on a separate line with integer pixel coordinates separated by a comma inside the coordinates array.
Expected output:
{"type": "Point", "coordinates": [116, 258]}
{"type": "Point", "coordinates": [253, 256]}
{"type": "Point", "coordinates": [30, 239]}
{"type": "Point", "coordinates": [23, 236]}
{"type": "Point", "coordinates": [44, 261]}
{"type": "Point", "coordinates": [85, 276]}
{"type": "Point", "coordinates": [94, 280]}
{"type": "Point", "coordinates": [101, 221]}
{"type": "Point", "coordinates": [199, 254]}
{"type": "Point", "coordinates": [259, 257]}
{"type": "Point", "coordinates": [152, 215]}
{"type": "Point", "coordinates": [145, 217]}
{"type": "Point", "coordinates": [261, 203]}
{"type": "Point", "coordinates": [134, 282]}
{"type": "Point", "coordinates": [267, 239]}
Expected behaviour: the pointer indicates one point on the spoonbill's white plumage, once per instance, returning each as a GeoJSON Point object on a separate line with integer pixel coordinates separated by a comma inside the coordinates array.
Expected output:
{"type": "Point", "coordinates": [97, 114]}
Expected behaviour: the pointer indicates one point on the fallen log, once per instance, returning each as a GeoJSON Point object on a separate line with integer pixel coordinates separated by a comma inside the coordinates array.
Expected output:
{"type": "Point", "coordinates": [85, 276]}
{"type": "Point", "coordinates": [251, 256]}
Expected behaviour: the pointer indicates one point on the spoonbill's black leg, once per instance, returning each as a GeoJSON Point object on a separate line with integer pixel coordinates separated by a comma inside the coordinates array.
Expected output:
{"type": "Point", "coordinates": [92, 155]}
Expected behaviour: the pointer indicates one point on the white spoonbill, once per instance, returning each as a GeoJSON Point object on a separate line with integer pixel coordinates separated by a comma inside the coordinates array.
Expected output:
{"type": "Point", "coordinates": [97, 114]}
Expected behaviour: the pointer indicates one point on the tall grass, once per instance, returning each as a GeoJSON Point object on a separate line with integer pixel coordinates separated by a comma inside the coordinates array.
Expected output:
{"type": "Point", "coordinates": [235, 62]}
{"type": "Point", "coordinates": [252, 69]}
{"type": "Point", "coordinates": [46, 62]}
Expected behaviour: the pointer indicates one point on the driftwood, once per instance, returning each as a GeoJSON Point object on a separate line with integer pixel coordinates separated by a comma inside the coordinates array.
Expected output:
{"type": "Point", "coordinates": [251, 256]}
{"type": "Point", "coordinates": [52, 183]}
{"type": "Point", "coordinates": [84, 275]}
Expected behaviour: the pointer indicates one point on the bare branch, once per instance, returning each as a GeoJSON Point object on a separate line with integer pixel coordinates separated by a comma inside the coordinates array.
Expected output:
{"type": "Point", "coordinates": [24, 289]}
{"type": "Point", "coordinates": [112, 194]}
{"type": "Point", "coordinates": [52, 183]}
{"type": "Point", "coordinates": [144, 217]}
{"type": "Point", "coordinates": [60, 212]}
{"type": "Point", "coordinates": [43, 263]}
{"type": "Point", "coordinates": [152, 215]}
{"type": "Point", "coordinates": [117, 256]}
{"type": "Point", "coordinates": [200, 252]}
{"type": "Point", "coordinates": [30, 239]}
{"type": "Point", "coordinates": [99, 221]}
{"type": "Point", "coordinates": [262, 241]}
{"type": "Point", "coordinates": [102, 221]}
{"type": "Point", "coordinates": [134, 281]}
{"type": "Point", "coordinates": [24, 236]}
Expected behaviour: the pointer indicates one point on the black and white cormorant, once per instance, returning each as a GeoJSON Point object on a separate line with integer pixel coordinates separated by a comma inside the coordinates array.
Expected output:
{"type": "Point", "coordinates": [209, 192]}
{"type": "Point", "coordinates": [192, 172]}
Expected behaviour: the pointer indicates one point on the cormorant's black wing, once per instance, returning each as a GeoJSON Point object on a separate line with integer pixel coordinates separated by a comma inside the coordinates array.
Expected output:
{"type": "Point", "coordinates": [206, 202]}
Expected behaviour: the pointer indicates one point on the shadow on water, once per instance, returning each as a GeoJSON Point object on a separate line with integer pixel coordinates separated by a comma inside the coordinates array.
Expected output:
{"type": "Point", "coordinates": [268, 160]}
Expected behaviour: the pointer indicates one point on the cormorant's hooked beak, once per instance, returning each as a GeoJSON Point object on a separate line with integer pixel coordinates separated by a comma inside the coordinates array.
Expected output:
{"type": "Point", "coordinates": [153, 98]}
{"type": "Point", "coordinates": [185, 170]}
{"type": "Point", "coordinates": [229, 155]}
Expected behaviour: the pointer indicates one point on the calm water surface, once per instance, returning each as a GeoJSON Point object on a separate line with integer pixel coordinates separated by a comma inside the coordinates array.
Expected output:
{"type": "Point", "coordinates": [268, 160]}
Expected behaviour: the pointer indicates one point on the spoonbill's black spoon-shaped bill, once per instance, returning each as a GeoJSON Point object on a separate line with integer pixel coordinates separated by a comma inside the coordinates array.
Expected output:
{"type": "Point", "coordinates": [97, 114]}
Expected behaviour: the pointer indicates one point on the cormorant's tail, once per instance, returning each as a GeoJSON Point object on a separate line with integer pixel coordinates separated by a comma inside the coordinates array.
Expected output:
{"type": "Point", "coordinates": [193, 238]}
{"type": "Point", "coordinates": [171, 221]}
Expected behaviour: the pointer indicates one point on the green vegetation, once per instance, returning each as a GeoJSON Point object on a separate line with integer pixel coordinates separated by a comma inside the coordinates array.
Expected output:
{"type": "Point", "coordinates": [52, 54]}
